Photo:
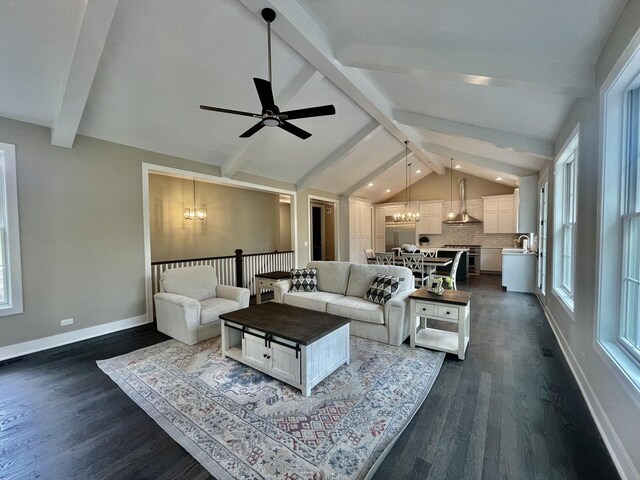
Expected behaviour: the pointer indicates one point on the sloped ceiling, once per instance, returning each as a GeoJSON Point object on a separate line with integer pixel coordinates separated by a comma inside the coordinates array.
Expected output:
{"type": "Point", "coordinates": [485, 83]}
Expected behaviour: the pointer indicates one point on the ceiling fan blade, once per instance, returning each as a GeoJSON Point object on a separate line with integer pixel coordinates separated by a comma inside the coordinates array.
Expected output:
{"type": "Point", "coordinates": [265, 93]}
{"type": "Point", "coordinates": [309, 112]}
{"type": "Point", "coordinates": [234, 112]}
{"type": "Point", "coordinates": [252, 130]}
{"type": "Point", "coordinates": [298, 132]}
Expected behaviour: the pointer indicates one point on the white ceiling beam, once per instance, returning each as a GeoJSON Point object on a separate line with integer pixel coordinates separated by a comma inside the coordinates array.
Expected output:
{"type": "Point", "coordinates": [482, 162]}
{"type": "Point", "coordinates": [378, 171]}
{"type": "Point", "coordinates": [96, 23]}
{"type": "Point", "coordinates": [294, 25]}
{"type": "Point", "coordinates": [361, 137]}
{"type": "Point", "coordinates": [519, 72]}
{"type": "Point", "coordinates": [307, 76]}
{"type": "Point", "coordinates": [512, 141]}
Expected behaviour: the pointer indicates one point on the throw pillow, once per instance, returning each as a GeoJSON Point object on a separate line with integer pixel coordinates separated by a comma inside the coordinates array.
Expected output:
{"type": "Point", "coordinates": [304, 280]}
{"type": "Point", "coordinates": [383, 288]}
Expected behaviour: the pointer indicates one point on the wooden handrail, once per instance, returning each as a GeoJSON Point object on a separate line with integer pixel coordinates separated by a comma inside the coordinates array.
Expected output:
{"type": "Point", "coordinates": [160, 262]}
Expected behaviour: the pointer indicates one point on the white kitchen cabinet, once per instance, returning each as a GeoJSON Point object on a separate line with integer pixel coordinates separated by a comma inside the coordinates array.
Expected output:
{"type": "Point", "coordinates": [519, 271]}
{"type": "Point", "coordinates": [360, 231]}
{"type": "Point", "coordinates": [526, 202]}
{"type": "Point", "coordinates": [499, 214]}
{"type": "Point", "coordinates": [490, 259]}
{"type": "Point", "coordinates": [430, 218]}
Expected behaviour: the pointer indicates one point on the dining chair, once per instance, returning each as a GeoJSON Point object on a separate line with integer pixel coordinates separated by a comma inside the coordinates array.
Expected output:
{"type": "Point", "coordinates": [454, 269]}
{"type": "Point", "coordinates": [370, 255]}
{"type": "Point", "coordinates": [430, 252]}
{"type": "Point", "coordinates": [385, 258]}
{"type": "Point", "coordinates": [416, 263]}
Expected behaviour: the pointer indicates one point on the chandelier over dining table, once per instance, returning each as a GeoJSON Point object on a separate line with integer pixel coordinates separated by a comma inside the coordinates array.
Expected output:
{"type": "Point", "coordinates": [410, 215]}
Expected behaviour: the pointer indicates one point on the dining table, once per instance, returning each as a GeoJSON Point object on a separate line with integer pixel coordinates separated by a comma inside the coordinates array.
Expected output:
{"type": "Point", "coordinates": [430, 263]}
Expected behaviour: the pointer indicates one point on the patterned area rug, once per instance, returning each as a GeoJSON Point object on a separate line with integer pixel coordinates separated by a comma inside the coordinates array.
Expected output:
{"type": "Point", "coordinates": [240, 423]}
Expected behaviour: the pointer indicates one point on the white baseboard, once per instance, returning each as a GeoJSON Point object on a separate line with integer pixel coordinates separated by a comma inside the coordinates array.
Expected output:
{"type": "Point", "coordinates": [616, 449]}
{"type": "Point", "coordinates": [24, 348]}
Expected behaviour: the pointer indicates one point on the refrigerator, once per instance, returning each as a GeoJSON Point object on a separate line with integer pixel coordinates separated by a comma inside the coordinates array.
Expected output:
{"type": "Point", "coordinates": [397, 235]}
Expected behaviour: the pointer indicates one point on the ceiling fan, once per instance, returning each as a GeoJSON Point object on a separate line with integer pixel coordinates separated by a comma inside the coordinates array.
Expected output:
{"type": "Point", "coordinates": [271, 115]}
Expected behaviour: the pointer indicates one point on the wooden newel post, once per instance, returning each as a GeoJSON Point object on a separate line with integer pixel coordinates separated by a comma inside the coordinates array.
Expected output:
{"type": "Point", "coordinates": [239, 279]}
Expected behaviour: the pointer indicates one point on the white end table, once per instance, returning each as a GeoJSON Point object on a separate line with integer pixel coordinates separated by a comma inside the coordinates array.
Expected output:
{"type": "Point", "coordinates": [452, 306]}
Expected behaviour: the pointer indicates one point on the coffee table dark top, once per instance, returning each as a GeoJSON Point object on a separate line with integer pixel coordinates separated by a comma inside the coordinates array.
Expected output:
{"type": "Point", "coordinates": [455, 297]}
{"type": "Point", "coordinates": [279, 275]}
{"type": "Point", "coordinates": [296, 324]}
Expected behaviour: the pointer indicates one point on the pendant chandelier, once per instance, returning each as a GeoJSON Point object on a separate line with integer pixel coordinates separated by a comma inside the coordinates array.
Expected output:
{"type": "Point", "coordinates": [195, 213]}
{"type": "Point", "coordinates": [409, 216]}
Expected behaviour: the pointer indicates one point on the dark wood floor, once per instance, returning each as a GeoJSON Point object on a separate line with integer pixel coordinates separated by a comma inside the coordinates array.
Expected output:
{"type": "Point", "coordinates": [511, 410]}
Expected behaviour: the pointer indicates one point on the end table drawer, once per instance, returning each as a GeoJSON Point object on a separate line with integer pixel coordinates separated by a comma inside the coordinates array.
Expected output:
{"type": "Point", "coordinates": [447, 312]}
{"type": "Point", "coordinates": [264, 283]}
{"type": "Point", "coordinates": [423, 308]}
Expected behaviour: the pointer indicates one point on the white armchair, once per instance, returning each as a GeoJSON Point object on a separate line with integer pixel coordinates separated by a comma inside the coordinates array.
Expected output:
{"type": "Point", "coordinates": [190, 302]}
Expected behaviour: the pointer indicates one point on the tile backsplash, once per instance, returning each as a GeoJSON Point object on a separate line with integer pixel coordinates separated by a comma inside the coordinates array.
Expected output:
{"type": "Point", "coordinates": [472, 234]}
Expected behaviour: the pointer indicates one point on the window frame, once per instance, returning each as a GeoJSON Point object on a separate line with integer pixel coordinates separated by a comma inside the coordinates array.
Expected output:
{"type": "Point", "coordinates": [623, 78]}
{"type": "Point", "coordinates": [565, 202]}
{"type": "Point", "coordinates": [9, 205]}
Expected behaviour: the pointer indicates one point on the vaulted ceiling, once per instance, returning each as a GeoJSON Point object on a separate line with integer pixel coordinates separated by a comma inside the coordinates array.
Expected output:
{"type": "Point", "coordinates": [485, 83]}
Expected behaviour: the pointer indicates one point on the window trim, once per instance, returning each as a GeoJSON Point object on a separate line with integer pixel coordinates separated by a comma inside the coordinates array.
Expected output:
{"type": "Point", "coordinates": [571, 148]}
{"type": "Point", "coordinates": [14, 259]}
{"type": "Point", "coordinates": [623, 77]}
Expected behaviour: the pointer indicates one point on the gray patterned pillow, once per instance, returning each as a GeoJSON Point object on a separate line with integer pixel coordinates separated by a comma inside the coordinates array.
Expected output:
{"type": "Point", "coordinates": [383, 288]}
{"type": "Point", "coordinates": [304, 280]}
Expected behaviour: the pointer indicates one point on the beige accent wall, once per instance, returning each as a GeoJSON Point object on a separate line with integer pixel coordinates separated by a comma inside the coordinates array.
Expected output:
{"type": "Point", "coordinates": [438, 187]}
{"type": "Point", "coordinates": [284, 243]}
{"type": "Point", "coordinates": [236, 218]}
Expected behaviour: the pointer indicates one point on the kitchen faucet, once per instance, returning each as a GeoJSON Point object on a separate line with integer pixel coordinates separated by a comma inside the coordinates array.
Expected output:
{"type": "Point", "coordinates": [525, 243]}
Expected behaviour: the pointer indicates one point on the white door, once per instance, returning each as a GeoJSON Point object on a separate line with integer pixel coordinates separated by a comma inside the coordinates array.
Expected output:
{"type": "Point", "coordinates": [542, 238]}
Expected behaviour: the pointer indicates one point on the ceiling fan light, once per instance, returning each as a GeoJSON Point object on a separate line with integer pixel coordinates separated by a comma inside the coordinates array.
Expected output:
{"type": "Point", "coordinates": [271, 122]}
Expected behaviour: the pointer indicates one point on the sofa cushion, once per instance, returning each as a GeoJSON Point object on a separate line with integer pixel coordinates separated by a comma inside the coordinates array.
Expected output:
{"type": "Point", "coordinates": [304, 280]}
{"type": "Point", "coordinates": [357, 309]}
{"type": "Point", "coordinates": [197, 282]}
{"type": "Point", "coordinates": [383, 288]}
{"type": "Point", "coordinates": [362, 276]}
{"type": "Point", "coordinates": [332, 276]}
{"type": "Point", "coordinates": [310, 300]}
{"type": "Point", "coordinates": [211, 309]}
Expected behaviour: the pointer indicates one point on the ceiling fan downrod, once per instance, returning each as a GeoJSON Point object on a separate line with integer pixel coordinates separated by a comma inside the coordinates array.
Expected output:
{"type": "Point", "coordinates": [269, 16]}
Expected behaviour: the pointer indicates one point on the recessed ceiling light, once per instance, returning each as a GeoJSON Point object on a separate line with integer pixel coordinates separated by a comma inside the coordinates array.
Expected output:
{"type": "Point", "coordinates": [371, 184]}
{"type": "Point", "coordinates": [499, 179]}
{"type": "Point", "coordinates": [457, 166]}
{"type": "Point", "coordinates": [418, 171]}
{"type": "Point", "coordinates": [388, 190]}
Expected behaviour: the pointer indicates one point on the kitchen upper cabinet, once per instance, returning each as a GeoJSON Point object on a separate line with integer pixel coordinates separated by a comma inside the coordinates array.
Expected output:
{"type": "Point", "coordinates": [359, 229]}
{"type": "Point", "coordinates": [526, 202]}
{"type": "Point", "coordinates": [430, 218]}
{"type": "Point", "coordinates": [499, 214]}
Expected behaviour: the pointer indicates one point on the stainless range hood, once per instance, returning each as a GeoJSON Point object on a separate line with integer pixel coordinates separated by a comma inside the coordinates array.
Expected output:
{"type": "Point", "coordinates": [462, 218]}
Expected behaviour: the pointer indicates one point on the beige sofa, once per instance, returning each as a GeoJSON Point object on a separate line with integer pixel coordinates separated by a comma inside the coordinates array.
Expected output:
{"type": "Point", "coordinates": [341, 290]}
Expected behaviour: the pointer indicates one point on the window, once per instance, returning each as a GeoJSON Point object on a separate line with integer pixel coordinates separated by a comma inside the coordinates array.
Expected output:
{"type": "Point", "coordinates": [565, 221]}
{"type": "Point", "coordinates": [630, 291]}
{"type": "Point", "coordinates": [10, 264]}
{"type": "Point", "coordinates": [618, 260]}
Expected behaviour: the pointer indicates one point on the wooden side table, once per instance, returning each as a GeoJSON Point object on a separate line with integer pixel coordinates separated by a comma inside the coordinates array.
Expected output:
{"type": "Point", "coordinates": [452, 306]}
{"type": "Point", "coordinates": [267, 280]}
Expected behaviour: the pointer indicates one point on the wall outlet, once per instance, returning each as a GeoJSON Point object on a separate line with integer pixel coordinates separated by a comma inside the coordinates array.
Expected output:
{"type": "Point", "coordinates": [306, 244]}
{"type": "Point", "coordinates": [68, 321]}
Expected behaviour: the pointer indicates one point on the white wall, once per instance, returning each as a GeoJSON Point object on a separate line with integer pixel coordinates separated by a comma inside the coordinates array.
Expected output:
{"type": "Point", "coordinates": [616, 406]}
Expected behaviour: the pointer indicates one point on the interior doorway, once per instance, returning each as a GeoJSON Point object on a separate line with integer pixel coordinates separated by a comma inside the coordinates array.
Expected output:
{"type": "Point", "coordinates": [323, 219]}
